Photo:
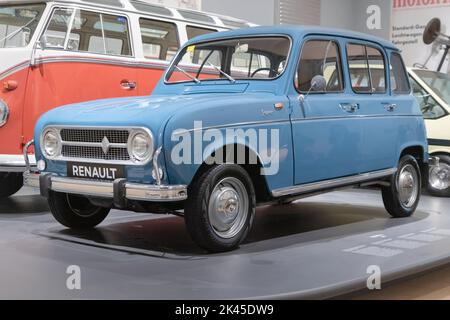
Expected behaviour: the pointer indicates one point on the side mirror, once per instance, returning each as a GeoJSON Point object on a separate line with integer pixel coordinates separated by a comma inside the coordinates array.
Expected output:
{"type": "Point", "coordinates": [318, 84]}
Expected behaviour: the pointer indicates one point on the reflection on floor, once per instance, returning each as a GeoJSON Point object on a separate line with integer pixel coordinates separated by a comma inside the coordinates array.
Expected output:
{"type": "Point", "coordinates": [315, 248]}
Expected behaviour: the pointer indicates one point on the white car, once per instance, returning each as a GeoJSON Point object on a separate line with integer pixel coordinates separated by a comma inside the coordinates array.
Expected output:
{"type": "Point", "coordinates": [432, 90]}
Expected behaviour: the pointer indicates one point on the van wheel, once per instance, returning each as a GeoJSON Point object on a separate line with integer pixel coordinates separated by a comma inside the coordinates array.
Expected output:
{"type": "Point", "coordinates": [75, 212]}
{"type": "Point", "coordinates": [402, 197]}
{"type": "Point", "coordinates": [10, 183]}
{"type": "Point", "coordinates": [439, 178]}
{"type": "Point", "coordinates": [220, 208]}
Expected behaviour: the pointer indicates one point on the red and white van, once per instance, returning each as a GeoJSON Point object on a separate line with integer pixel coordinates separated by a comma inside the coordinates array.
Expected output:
{"type": "Point", "coordinates": [66, 51]}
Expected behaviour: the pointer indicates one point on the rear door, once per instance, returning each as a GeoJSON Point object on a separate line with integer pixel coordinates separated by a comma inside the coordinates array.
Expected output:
{"type": "Point", "coordinates": [84, 55]}
{"type": "Point", "coordinates": [377, 108]}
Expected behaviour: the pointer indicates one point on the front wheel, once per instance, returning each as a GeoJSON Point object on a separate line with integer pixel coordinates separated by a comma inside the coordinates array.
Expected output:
{"type": "Point", "coordinates": [75, 212]}
{"type": "Point", "coordinates": [402, 197]}
{"type": "Point", "coordinates": [439, 178]}
{"type": "Point", "coordinates": [10, 183]}
{"type": "Point", "coordinates": [220, 208]}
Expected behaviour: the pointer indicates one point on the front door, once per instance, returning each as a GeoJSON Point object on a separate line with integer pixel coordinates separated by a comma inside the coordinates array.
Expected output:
{"type": "Point", "coordinates": [326, 133]}
{"type": "Point", "coordinates": [84, 55]}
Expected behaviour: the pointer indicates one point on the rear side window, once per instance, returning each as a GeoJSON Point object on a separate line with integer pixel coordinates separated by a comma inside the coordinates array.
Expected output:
{"type": "Point", "coordinates": [320, 57]}
{"type": "Point", "coordinates": [159, 39]}
{"type": "Point", "coordinates": [399, 77]}
{"type": "Point", "coordinates": [193, 32]}
{"type": "Point", "coordinates": [90, 31]}
{"type": "Point", "coordinates": [366, 68]}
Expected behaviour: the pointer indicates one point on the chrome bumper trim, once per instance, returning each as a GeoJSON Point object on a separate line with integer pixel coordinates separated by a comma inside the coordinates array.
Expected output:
{"type": "Point", "coordinates": [133, 191]}
{"type": "Point", "coordinates": [15, 163]}
{"type": "Point", "coordinates": [335, 183]}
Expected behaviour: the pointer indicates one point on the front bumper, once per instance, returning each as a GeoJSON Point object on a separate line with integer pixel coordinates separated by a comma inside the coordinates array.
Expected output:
{"type": "Point", "coordinates": [119, 190]}
{"type": "Point", "coordinates": [15, 163]}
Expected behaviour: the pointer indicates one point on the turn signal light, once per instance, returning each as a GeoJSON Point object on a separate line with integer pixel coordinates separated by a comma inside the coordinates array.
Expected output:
{"type": "Point", "coordinates": [10, 85]}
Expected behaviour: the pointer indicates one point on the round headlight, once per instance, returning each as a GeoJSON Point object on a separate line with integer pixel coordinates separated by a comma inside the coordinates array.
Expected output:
{"type": "Point", "coordinates": [50, 143]}
{"type": "Point", "coordinates": [4, 113]}
{"type": "Point", "coordinates": [141, 146]}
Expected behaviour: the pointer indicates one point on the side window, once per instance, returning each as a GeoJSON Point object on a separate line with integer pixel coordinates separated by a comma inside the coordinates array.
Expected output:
{"type": "Point", "coordinates": [55, 35]}
{"type": "Point", "coordinates": [159, 39]}
{"type": "Point", "coordinates": [377, 70]}
{"type": "Point", "coordinates": [320, 57]}
{"type": "Point", "coordinates": [90, 32]}
{"type": "Point", "coordinates": [193, 32]}
{"type": "Point", "coordinates": [429, 106]}
{"type": "Point", "coordinates": [358, 68]}
{"type": "Point", "coordinates": [102, 33]}
{"type": "Point", "coordinates": [399, 77]}
{"type": "Point", "coordinates": [366, 68]}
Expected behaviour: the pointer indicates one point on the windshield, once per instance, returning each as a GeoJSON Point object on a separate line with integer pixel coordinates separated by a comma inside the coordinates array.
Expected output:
{"type": "Point", "coordinates": [438, 82]}
{"type": "Point", "coordinates": [233, 59]}
{"type": "Point", "coordinates": [18, 24]}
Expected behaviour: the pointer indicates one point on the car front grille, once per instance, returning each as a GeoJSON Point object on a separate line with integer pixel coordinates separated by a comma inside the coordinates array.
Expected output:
{"type": "Point", "coordinates": [88, 152]}
{"type": "Point", "coordinates": [86, 144]}
{"type": "Point", "coordinates": [94, 135]}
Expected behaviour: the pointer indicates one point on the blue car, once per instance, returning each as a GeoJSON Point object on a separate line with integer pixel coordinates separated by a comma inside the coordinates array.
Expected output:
{"type": "Point", "coordinates": [262, 115]}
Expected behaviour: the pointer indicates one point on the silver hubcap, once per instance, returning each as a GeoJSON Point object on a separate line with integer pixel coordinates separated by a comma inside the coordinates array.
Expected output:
{"type": "Point", "coordinates": [408, 186]}
{"type": "Point", "coordinates": [228, 207]}
{"type": "Point", "coordinates": [440, 176]}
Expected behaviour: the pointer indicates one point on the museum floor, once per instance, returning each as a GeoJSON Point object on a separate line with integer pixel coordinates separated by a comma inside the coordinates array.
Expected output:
{"type": "Point", "coordinates": [316, 248]}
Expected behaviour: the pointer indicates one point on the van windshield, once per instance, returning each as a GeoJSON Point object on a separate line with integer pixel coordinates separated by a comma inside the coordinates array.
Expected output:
{"type": "Point", "coordinates": [18, 24]}
{"type": "Point", "coordinates": [438, 82]}
{"type": "Point", "coordinates": [258, 58]}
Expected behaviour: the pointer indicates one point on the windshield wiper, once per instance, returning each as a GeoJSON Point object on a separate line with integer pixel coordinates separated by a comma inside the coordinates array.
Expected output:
{"type": "Point", "coordinates": [16, 32]}
{"type": "Point", "coordinates": [187, 74]}
{"type": "Point", "coordinates": [226, 75]}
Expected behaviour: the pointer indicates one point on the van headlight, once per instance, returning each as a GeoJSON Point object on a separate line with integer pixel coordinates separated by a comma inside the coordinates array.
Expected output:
{"type": "Point", "coordinates": [140, 146]}
{"type": "Point", "coordinates": [50, 143]}
{"type": "Point", "coordinates": [4, 113]}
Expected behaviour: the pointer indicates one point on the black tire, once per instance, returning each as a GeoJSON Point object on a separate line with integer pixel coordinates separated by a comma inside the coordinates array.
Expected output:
{"type": "Point", "coordinates": [392, 195]}
{"type": "Point", "coordinates": [197, 216]}
{"type": "Point", "coordinates": [442, 190]}
{"type": "Point", "coordinates": [10, 183]}
{"type": "Point", "coordinates": [75, 212]}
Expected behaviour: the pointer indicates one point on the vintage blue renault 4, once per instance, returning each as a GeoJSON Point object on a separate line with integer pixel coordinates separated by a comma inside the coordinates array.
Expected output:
{"type": "Point", "coordinates": [240, 118]}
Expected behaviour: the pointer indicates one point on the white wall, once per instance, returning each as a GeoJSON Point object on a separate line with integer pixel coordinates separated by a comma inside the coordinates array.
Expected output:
{"type": "Point", "coordinates": [335, 13]}
{"type": "Point", "coordinates": [261, 12]}
{"type": "Point", "coordinates": [298, 12]}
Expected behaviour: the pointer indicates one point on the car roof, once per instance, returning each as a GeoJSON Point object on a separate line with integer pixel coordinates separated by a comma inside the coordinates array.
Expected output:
{"type": "Point", "coordinates": [295, 31]}
{"type": "Point", "coordinates": [226, 22]}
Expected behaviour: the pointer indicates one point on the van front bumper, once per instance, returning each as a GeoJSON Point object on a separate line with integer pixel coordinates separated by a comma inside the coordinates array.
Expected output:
{"type": "Point", "coordinates": [119, 190]}
{"type": "Point", "coordinates": [15, 163]}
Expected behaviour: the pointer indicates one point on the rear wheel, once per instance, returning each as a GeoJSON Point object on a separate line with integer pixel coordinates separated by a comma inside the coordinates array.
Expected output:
{"type": "Point", "coordinates": [402, 197]}
{"type": "Point", "coordinates": [220, 208]}
{"type": "Point", "coordinates": [10, 183]}
{"type": "Point", "coordinates": [75, 212]}
{"type": "Point", "coordinates": [439, 178]}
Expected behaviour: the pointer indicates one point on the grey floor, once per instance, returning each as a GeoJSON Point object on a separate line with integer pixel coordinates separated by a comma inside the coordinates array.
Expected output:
{"type": "Point", "coordinates": [319, 248]}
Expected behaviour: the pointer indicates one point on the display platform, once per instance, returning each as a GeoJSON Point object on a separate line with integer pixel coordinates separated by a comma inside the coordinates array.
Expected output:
{"type": "Point", "coordinates": [315, 248]}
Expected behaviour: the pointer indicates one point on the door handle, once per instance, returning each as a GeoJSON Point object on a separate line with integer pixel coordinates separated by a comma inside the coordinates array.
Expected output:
{"type": "Point", "coordinates": [128, 85]}
{"type": "Point", "coordinates": [349, 107]}
{"type": "Point", "coordinates": [390, 106]}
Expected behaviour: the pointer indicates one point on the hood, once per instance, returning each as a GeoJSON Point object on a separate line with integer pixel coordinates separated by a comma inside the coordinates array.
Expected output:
{"type": "Point", "coordinates": [151, 112]}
